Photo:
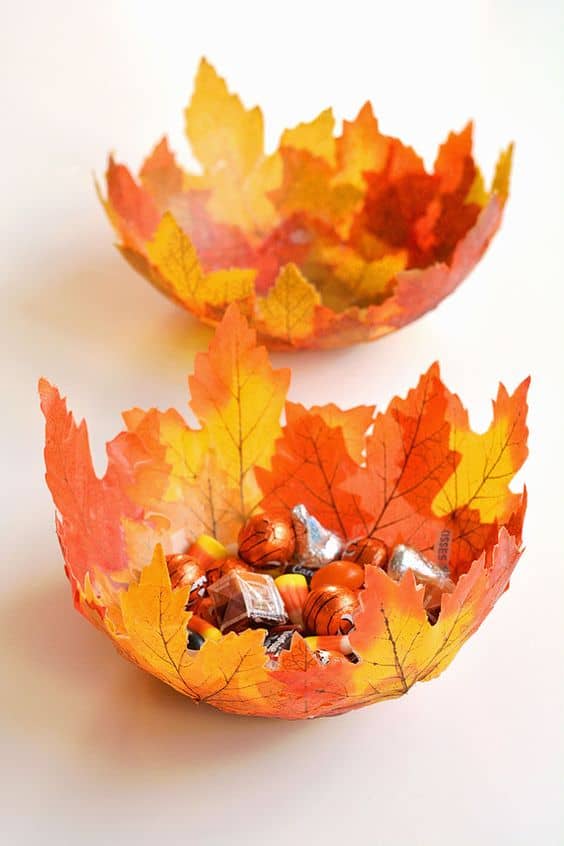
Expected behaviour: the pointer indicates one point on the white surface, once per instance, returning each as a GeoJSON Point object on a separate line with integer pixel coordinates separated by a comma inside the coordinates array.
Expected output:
{"type": "Point", "coordinates": [93, 750]}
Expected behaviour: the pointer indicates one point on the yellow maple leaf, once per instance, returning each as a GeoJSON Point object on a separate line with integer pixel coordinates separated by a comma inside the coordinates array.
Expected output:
{"type": "Point", "coordinates": [315, 136]}
{"type": "Point", "coordinates": [488, 461]}
{"type": "Point", "coordinates": [361, 148]}
{"type": "Point", "coordinates": [502, 173]}
{"type": "Point", "coordinates": [228, 140]}
{"type": "Point", "coordinates": [288, 310]}
{"type": "Point", "coordinates": [238, 397]}
{"type": "Point", "coordinates": [155, 622]}
{"type": "Point", "coordinates": [174, 257]}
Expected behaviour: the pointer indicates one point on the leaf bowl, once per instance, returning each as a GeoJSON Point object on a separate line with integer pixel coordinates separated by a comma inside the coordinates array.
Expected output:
{"type": "Point", "coordinates": [327, 241]}
{"type": "Point", "coordinates": [415, 474]}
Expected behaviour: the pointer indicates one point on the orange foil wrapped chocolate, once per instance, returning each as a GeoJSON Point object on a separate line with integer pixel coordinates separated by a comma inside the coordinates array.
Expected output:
{"type": "Point", "coordinates": [367, 551]}
{"type": "Point", "coordinates": [167, 479]}
{"type": "Point", "coordinates": [267, 539]}
{"type": "Point", "coordinates": [329, 610]}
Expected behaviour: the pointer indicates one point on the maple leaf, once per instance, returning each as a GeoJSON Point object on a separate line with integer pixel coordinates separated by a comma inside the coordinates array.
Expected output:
{"type": "Point", "coordinates": [289, 309]}
{"type": "Point", "coordinates": [310, 466]}
{"type": "Point", "coordinates": [415, 473]}
{"type": "Point", "coordinates": [173, 256]}
{"type": "Point", "coordinates": [238, 397]}
{"type": "Point", "coordinates": [376, 240]}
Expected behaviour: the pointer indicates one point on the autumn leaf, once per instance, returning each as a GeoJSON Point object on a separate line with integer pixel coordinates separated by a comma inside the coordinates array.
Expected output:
{"type": "Point", "coordinates": [289, 309]}
{"type": "Point", "coordinates": [238, 397]}
{"type": "Point", "coordinates": [375, 239]}
{"type": "Point", "coordinates": [414, 473]}
{"type": "Point", "coordinates": [310, 466]}
{"type": "Point", "coordinates": [488, 462]}
{"type": "Point", "coordinates": [161, 176]}
{"type": "Point", "coordinates": [155, 621]}
{"type": "Point", "coordinates": [173, 256]}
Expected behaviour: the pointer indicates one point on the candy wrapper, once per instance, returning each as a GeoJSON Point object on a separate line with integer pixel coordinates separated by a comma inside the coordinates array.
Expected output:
{"type": "Point", "coordinates": [329, 240]}
{"type": "Point", "coordinates": [420, 478]}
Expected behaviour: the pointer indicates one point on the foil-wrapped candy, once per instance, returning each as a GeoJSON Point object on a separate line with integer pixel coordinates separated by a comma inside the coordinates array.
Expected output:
{"type": "Point", "coordinates": [405, 559]}
{"type": "Point", "coordinates": [315, 545]}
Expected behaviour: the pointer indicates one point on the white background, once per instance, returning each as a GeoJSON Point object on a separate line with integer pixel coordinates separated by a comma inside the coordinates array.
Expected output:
{"type": "Point", "coordinates": [93, 751]}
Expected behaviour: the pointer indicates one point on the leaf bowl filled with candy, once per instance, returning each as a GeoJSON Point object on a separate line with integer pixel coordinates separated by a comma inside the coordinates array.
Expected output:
{"type": "Point", "coordinates": [294, 570]}
{"type": "Point", "coordinates": [327, 241]}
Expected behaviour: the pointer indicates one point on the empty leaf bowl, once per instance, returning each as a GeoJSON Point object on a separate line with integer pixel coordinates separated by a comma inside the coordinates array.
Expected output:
{"type": "Point", "coordinates": [327, 241]}
{"type": "Point", "coordinates": [414, 475]}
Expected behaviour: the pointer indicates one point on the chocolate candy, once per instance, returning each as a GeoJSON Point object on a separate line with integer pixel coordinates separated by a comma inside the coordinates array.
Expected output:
{"type": "Point", "coordinates": [366, 551]}
{"type": "Point", "coordinates": [294, 591]}
{"type": "Point", "coordinates": [274, 643]}
{"type": "Point", "coordinates": [205, 609]}
{"type": "Point", "coordinates": [243, 600]}
{"type": "Point", "coordinates": [233, 563]}
{"type": "Point", "coordinates": [207, 551]}
{"type": "Point", "coordinates": [301, 570]}
{"type": "Point", "coordinates": [195, 640]}
{"type": "Point", "coordinates": [405, 558]}
{"type": "Point", "coordinates": [328, 610]}
{"type": "Point", "coordinates": [185, 570]}
{"type": "Point", "coordinates": [267, 539]}
{"type": "Point", "coordinates": [341, 573]}
{"type": "Point", "coordinates": [315, 545]}
{"type": "Point", "coordinates": [330, 643]}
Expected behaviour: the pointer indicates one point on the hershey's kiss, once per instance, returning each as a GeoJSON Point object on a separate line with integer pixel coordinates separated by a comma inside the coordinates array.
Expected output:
{"type": "Point", "coordinates": [405, 558]}
{"type": "Point", "coordinates": [315, 545]}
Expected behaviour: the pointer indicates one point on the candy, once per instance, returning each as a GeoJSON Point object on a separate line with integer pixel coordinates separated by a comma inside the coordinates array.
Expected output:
{"type": "Point", "coordinates": [315, 545]}
{"type": "Point", "coordinates": [203, 628]}
{"type": "Point", "coordinates": [207, 551]}
{"type": "Point", "coordinates": [244, 599]}
{"type": "Point", "coordinates": [267, 539]}
{"type": "Point", "coordinates": [324, 656]}
{"type": "Point", "coordinates": [275, 642]}
{"type": "Point", "coordinates": [301, 570]}
{"type": "Point", "coordinates": [294, 591]}
{"type": "Point", "coordinates": [341, 573]}
{"type": "Point", "coordinates": [185, 570]}
{"type": "Point", "coordinates": [233, 563]}
{"type": "Point", "coordinates": [195, 640]}
{"type": "Point", "coordinates": [405, 559]}
{"type": "Point", "coordinates": [328, 610]}
{"type": "Point", "coordinates": [366, 551]}
{"type": "Point", "coordinates": [205, 609]}
{"type": "Point", "coordinates": [330, 643]}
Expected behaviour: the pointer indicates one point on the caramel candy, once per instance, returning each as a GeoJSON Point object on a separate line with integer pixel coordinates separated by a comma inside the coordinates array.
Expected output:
{"type": "Point", "coordinates": [315, 545]}
{"type": "Point", "coordinates": [244, 600]}
{"type": "Point", "coordinates": [328, 610]}
{"type": "Point", "coordinates": [185, 570]}
{"type": "Point", "coordinates": [405, 558]}
{"type": "Point", "coordinates": [366, 551]}
{"type": "Point", "coordinates": [341, 573]}
{"type": "Point", "coordinates": [267, 539]}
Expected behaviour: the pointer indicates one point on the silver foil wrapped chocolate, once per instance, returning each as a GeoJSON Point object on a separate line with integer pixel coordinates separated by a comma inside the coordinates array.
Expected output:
{"type": "Point", "coordinates": [405, 558]}
{"type": "Point", "coordinates": [315, 545]}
